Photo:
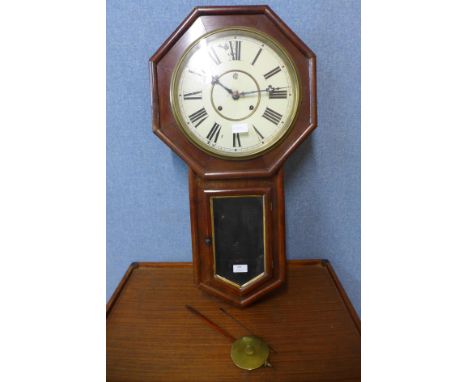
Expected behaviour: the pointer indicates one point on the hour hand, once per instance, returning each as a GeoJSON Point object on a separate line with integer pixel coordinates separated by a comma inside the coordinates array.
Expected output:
{"type": "Point", "coordinates": [215, 80]}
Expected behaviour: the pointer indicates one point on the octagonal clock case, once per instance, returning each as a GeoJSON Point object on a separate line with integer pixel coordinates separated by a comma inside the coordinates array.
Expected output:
{"type": "Point", "coordinates": [234, 94]}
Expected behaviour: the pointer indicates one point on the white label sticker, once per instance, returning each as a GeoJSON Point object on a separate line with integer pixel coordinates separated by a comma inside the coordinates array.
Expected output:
{"type": "Point", "coordinates": [240, 128]}
{"type": "Point", "coordinates": [240, 268]}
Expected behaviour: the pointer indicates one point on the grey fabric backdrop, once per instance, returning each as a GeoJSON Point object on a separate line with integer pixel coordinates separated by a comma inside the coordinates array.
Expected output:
{"type": "Point", "coordinates": [147, 194]}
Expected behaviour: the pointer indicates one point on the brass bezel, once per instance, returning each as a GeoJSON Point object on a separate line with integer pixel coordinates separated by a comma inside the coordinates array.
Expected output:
{"type": "Point", "coordinates": [281, 51]}
{"type": "Point", "coordinates": [265, 249]}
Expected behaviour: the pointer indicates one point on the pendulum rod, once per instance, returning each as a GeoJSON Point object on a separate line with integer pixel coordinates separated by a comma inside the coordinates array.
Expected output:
{"type": "Point", "coordinates": [241, 324]}
{"type": "Point", "coordinates": [215, 326]}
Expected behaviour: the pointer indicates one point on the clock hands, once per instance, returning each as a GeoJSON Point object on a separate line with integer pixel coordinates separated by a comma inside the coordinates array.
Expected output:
{"type": "Point", "coordinates": [269, 89]}
{"type": "Point", "coordinates": [234, 93]}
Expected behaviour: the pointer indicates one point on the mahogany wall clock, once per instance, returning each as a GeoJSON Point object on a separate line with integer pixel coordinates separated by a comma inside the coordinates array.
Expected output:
{"type": "Point", "coordinates": [234, 94]}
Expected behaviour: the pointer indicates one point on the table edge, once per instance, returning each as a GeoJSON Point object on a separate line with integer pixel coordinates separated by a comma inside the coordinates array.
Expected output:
{"type": "Point", "coordinates": [291, 263]}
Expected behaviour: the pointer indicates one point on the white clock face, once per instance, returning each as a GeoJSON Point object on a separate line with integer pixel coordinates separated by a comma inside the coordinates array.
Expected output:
{"type": "Point", "coordinates": [235, 93]}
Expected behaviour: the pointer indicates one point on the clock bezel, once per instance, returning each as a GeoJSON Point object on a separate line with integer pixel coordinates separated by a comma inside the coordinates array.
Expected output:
{"type": "Point", "coordinates": [162, 63]}
{"type": "Point", "coordinates": [261, 150]}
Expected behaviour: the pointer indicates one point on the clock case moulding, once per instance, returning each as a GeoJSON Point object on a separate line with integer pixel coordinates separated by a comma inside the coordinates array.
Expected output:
{"type": "Point", "coordinates": [210, 175]}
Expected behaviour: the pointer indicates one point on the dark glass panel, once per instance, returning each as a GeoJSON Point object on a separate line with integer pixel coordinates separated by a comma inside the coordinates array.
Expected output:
{"type": "Point", "coordinates": [238, 237]}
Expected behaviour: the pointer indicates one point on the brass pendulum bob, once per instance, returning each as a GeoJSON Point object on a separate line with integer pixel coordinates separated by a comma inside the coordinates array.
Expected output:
{"type": "Point", "coordinates": [248, 352]}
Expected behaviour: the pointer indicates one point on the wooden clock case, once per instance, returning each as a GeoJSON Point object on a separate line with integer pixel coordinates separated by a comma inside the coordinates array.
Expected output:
{"type": "Point", "coordinates": [212, 176]}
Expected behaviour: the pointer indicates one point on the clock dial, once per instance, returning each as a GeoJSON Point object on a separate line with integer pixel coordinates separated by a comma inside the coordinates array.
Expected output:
{"type": "Point", "coordinates": [235, 93]}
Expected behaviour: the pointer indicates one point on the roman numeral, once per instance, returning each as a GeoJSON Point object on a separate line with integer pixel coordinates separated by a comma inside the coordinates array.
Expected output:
{"type": "Point", "coordinates": [236, 140]}
{"type": "Point", "coordinates": [199, 116]}
{"type": "Point", "coordinates": [193, 95]}
{"type": "Point", "coordinates": [214, 56]}
{"type": "Point", "coordinates": [235, 50]}
{"type": "Point", "coordinates": [202, 74]}
{"type": "Point", "coordinates": [214, 133]}
{"type": "Point", "coordinates": [258, 132]}
{"type": "Point", "coordinates": [272, 72]}
{"type": "Point", "coordinates": [272, 116]}
{"type": "Point", "coordinates": [276, 94]}
{"type": "Point", "coordinates": [256, 56]}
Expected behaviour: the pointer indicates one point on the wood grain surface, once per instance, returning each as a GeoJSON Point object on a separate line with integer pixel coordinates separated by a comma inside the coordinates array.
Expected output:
{"type": "Point", "coordinates": [151, 336]}
{"type": "Point", "coordinates": [201, 191]}
{"type": "Point", "coordinates": [207, 19]}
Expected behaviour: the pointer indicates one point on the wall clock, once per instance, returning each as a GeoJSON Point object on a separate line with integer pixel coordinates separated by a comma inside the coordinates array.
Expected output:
{"type": "Point", "coordinates": [234, 94]}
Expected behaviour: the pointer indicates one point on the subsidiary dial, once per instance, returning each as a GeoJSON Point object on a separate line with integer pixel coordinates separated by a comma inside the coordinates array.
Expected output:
{"type": "Point", "coordinates": [229, 99]}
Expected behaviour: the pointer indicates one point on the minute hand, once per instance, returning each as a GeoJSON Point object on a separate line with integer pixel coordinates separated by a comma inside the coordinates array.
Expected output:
{"type": "Point", "coordinates": [268, 90]}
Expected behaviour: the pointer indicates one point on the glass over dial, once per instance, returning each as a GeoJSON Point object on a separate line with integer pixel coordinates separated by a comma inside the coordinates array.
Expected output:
{"type": "Point", "coordinates": [235, 93]}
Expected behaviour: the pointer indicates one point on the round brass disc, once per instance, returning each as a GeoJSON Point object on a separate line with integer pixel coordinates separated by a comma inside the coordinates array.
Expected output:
{"type": "Point", "coordinates": [249, 352]}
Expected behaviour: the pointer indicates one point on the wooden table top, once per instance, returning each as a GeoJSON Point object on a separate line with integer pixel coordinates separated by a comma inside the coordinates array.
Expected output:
{"type": "Point", "coordinates": [151, 336]}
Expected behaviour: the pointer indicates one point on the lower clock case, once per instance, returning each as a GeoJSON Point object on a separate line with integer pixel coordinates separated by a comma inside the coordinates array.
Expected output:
{"type": "Point", "coordinates": [238, 236]}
